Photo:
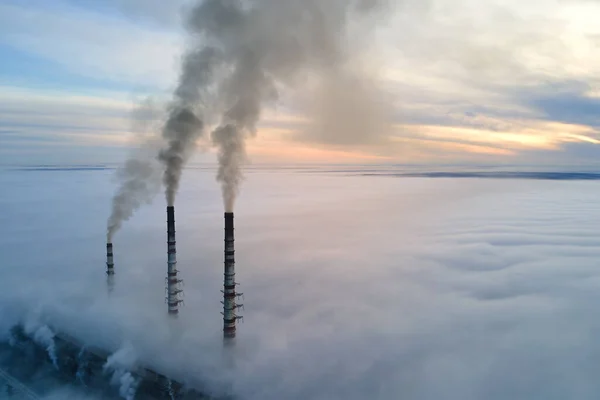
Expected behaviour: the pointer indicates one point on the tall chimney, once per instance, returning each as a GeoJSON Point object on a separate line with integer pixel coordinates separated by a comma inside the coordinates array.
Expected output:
{"type": "Point", "coordinates": [110, 267]}
{"type": "Point", "coordinates": [229, 295]}
{"type": "Point", "coordinates": [173, 289]}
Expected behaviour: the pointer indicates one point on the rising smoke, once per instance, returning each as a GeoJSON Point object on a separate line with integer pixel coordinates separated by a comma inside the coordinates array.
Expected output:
{"type": "Point", "coordinates": [137, 186]}
{"type": "Point", "coordinates": [44, 336]}
{"type": "Point", "coordinates": [241, 54]}
{"type": "Point", "coordinates": [185, 124]}
{"type": "Point", "coordinates": [138, 177]}
{"type": "Point", "coordinates": [119, 364]}
{"type": "Point", "coordinates": [266, 45]}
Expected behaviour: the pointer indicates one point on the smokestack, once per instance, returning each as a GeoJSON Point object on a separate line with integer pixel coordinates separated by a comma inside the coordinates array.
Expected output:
{"type": "Point", "coordinates": [173, 289]}
{"type": "Point", "coordinates": [229, 295]}
{"type": "Point", "coordinates": [110, 266]}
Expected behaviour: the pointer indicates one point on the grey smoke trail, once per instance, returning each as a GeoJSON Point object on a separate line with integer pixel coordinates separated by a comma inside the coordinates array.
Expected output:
{"type": "Point", "coordinates": [251, 86]}
{"type": "Point", "coordinates": [241, 52]}
{"type": "Point", "coordinates": [138, 186]}
{"type": "Point", "coordinates": [232, 154]}
{"type": "Point", "coordinates": [140, 176]}
{"type": "Point", "coordinates": [181, 130]}
{"type": "Point", "coordinates": [184, 124]}
{"type": "Point", "coordinates": [266, 44]}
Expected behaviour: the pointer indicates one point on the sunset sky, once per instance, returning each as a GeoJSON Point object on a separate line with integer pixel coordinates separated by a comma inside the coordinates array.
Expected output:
{"type": "Point", "coordinates": [461, 81]}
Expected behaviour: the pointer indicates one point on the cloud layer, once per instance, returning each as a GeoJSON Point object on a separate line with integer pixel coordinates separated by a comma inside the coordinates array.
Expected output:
{"type": "Point", "coordinates": [427, 288]}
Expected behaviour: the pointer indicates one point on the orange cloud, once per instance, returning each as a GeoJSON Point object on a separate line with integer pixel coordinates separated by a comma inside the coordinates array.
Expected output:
{"type": "Point", "coordinates": [279, 150]}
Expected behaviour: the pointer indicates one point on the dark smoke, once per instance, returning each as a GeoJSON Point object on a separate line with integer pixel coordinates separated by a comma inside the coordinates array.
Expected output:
{"type": "Point", "coordinates": [267, 44]}
{"type": "Point", "coordinates": [251, 87]}
{"type": "Point", "coordinates": [183, 127]}
{"type": "Point", "coordinates": [184, 124]}
{"type": "Point", "coordinates": [181, 131]}
{"type": "Point", "coordinates": [138, 186]}
{"type": "Point", "coordinates": [241, 53]}
{"type": "Point", "coordinates": [139, 178]}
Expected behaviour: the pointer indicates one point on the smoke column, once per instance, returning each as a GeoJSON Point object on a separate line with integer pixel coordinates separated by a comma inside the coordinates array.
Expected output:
{"type": "Point", "coordinates": [240, 53]}
{"type": "Point", "coordinates": [181, 131]}
{"type": "Point", "coordinates": [140, 176]}
{"type": "Point", "coordinates": [137, 186]}
{"type": "Point", "coordinates": [266, 44]}
{"type": "Point", "coordinates": [184, 126]}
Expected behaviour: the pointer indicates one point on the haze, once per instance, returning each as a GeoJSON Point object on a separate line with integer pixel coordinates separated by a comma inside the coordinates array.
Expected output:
{"type": "Point", "coordinates": [415, 188]}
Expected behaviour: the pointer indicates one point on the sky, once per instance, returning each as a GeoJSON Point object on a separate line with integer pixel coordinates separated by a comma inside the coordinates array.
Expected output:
{"type": "Point", "coordinates": [453, 81]}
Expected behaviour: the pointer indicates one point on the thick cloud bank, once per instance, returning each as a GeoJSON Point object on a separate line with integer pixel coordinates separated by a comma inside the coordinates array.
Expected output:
{"type": "Point", "coordinates": [355, 286]}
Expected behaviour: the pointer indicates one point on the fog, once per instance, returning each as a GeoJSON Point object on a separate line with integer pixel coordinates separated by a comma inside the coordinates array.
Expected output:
{"type": "Point", "coordinates": [379, 287]}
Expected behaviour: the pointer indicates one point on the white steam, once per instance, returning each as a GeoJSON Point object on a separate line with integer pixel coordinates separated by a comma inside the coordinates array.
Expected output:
{"type": "Point", "coordinates": [44, 336]}
{"type": "Point", "coordinates": [119, 364]}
